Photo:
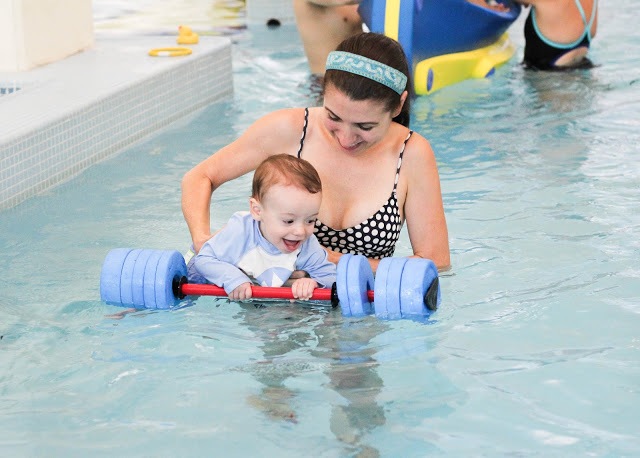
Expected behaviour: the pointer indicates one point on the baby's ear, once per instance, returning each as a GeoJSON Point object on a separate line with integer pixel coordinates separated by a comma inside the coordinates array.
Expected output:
{"type": "Point", "coordinates": [255, 208]}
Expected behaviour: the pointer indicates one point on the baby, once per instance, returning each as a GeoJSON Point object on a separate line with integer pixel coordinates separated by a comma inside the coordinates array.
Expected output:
{"type": "Point", "coordinates": [275, 238]}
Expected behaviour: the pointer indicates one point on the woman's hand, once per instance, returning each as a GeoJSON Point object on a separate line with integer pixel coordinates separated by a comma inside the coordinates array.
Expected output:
{"type": "Point", "coordinates": [333, 256]}
{"type": "Point", "coordinates": [197, 244]}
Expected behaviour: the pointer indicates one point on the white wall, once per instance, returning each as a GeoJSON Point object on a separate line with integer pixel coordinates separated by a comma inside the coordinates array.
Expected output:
{"type": "Point", "coordinates": [38, 32]}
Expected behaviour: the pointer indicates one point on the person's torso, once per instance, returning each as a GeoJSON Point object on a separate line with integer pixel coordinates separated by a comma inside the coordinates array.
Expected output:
{"type": "Point", "coordinates": [543, 53]}
{"type": "Point", "coordinates": [374, 237]}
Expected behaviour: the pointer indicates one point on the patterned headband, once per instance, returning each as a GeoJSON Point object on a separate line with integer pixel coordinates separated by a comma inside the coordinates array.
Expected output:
{"type": "Point", "coordinates": [369, 68]}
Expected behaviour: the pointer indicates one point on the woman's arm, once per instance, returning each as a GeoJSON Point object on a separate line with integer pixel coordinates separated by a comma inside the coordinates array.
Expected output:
{"type": "Point", "coordinates": [277, 132]}
{"type": "Point", "coordinates": [423, 208]}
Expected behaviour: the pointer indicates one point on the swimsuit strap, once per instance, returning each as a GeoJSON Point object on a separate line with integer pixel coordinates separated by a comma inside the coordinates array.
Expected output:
{"type": "Point", "coordinates": [304, 131]}
{"type": "Point", "coordinates": [588, 24]}
{"type": "Point", "coordinates": [572, 45]}
{"type": "Point", "coordinates": [404, 145]}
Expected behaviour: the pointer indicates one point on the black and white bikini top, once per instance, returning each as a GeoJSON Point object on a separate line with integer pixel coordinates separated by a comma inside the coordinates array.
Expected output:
{"type": "Point", "coordinates": [375, 237]}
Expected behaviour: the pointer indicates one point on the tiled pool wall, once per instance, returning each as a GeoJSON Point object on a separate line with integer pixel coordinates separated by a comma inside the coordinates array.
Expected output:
{"type": "Point", "coordinates": [39, 149]}
{"type": "Point", "coordinates": [8, 87]}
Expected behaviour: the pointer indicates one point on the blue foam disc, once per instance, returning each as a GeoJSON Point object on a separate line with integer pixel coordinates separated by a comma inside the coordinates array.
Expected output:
{"type": "Point", "coordinates": [392, 296]}
{"type": "Point", "coordinates": [126, 278]}
{"type": "Point", "coordinates": [380, 288]}
{"type": "Point", "coordinates": [110, 275]}
{"type": "Point", "coordinates": [137, 282]}
{"type": "Point", "coordinates": [171, 266]}
{"type": "Point", "coordinates": [149, 279]}
{"type": "Point", "coordinates": [359, 282]}
{"type": "Point", "coordinates": [342, 281]}
{"type": "Point", "coordinates": [417, 276]}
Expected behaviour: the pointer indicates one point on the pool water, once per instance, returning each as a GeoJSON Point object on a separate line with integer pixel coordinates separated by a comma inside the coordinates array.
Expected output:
{"type": "Point", "coordinates": [535, 350]}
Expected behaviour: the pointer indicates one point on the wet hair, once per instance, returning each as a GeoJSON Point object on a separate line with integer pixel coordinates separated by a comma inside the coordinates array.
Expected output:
{"type": "Point", "coordinates": [382, 49]}
{"type": "Point", "coordinates": [285, 170]}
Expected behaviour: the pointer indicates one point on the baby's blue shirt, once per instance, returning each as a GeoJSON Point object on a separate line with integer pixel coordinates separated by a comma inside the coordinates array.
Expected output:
{"type": "Point", "coordinates": [238, 253]}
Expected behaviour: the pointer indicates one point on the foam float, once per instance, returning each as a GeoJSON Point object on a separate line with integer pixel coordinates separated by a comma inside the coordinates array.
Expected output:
{"type": "Point", "coordinates": [446, 41]}
{"type": "Point", "coordinates": [157, 279]}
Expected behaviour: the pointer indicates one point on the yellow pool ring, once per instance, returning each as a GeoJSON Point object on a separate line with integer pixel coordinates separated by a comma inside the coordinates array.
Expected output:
{"type": "Point", "coordinates": [170, 52]}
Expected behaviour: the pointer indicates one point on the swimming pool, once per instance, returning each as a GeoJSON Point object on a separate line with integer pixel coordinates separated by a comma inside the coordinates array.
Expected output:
{"type": "Point", "coordinates": [534, 352]}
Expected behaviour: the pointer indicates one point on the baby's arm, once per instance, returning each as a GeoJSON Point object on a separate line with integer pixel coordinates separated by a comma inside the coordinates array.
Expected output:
{"type": "Point", "coordinates": [313, 259]}
{"type": "Point", "coordinates": [217, 258]}
{"type": "Point", "coordinates": [221, 273]}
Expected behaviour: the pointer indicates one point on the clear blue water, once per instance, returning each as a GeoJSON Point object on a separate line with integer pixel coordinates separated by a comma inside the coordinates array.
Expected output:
{"type": "Point", "coordinates": [534, 352]}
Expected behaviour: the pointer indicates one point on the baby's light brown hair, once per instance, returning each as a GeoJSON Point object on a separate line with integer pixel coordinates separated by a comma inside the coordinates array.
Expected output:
{"type": "Point", "coordinates": [285, 170]}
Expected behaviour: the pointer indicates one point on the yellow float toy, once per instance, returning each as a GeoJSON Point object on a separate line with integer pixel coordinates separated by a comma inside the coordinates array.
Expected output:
{"type": "Point", "coordinates": [186, 36]}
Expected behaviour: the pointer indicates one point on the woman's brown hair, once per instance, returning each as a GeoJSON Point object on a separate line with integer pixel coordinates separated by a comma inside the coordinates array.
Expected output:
{"type": "Point", "coordinates": [384, 50]}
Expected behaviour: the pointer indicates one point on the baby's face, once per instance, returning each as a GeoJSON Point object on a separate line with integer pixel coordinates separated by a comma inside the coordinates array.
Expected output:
{"type": "Point", "coordinates": [287, 216]}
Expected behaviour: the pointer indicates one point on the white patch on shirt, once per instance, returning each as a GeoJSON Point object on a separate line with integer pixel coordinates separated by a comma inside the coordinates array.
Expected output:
{"type": "Point", "coordinates": [256, 261]}
{"type": "Point", "coordinates": [275, 280]}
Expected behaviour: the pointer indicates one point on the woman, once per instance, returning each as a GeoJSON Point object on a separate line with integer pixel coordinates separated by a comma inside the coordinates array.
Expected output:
{"type": "Point", "coordinates": [376, 174]}
{"type": "Point", "coordinates": [558, 33]}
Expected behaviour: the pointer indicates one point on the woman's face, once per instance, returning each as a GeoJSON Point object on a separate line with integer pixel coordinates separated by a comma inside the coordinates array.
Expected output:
{"type": "Point", "coordinates": [355, 125]}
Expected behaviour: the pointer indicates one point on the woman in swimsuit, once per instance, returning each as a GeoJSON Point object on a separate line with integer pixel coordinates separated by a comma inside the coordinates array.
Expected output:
{"type": "Point", "coordinates": [376, 174]}
{"type": "Point", "coordinates": [558, 33]}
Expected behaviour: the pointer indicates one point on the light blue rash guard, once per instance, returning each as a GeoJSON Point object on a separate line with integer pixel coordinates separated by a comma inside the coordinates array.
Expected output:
{"type": "Point", "coordinates": [238, 253]}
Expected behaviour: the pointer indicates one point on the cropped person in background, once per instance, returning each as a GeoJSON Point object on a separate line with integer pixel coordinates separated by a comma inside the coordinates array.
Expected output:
{"type": "Point", "coordinates": [558, 33]}
{"type": "Point", "coordinates": [322, 25]}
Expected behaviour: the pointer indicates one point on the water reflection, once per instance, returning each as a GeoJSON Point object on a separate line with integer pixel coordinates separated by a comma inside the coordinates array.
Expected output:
{"type": "Point", "coordinates": [296, 340]}
{"type": "Point", "coordinates": [570, 92]}
{"type": "Point", "coordinates": [347, 343]}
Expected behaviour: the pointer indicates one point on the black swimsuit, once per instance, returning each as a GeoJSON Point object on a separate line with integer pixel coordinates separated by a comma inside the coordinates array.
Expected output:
{"type": "Point", "coordinates": [374, 238]}
{"type": "Point", "coordinates": [540, 53]}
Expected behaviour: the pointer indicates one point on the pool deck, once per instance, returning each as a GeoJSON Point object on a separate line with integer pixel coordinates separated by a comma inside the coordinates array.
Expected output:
{"type": "Point", "coordinates": [59, 119]}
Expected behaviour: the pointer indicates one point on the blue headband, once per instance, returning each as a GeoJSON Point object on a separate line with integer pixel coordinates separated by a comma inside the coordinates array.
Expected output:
{"type": "Point", "coordinates": [369, 68]}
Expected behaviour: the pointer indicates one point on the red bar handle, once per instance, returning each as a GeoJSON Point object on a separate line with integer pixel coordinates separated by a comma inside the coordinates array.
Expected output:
{"type": "Point", "coordinates": [259, 292]}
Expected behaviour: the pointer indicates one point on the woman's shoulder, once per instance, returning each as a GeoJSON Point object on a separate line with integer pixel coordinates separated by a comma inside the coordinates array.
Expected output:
{"type": "Point", "coordinates": [284, 121]}
{"type": "Point", "coordinates": [418, 150]}
{"type": "Point", "coordinates": [284, 115]}
{"type": "Point", "coordinates": [278, 129]}
{"type": "Point", "coordinates": [416, 141]}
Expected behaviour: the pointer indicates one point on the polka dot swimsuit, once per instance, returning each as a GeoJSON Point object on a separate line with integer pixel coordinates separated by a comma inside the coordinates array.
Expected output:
{"type": "Point", "coordinates": [377, 236]}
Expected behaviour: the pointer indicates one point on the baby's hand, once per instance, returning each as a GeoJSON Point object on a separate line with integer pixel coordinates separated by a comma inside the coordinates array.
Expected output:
{"type": "Point", "coordinates": [242, 292]}
{"type": "Point", "coordinates": [302, 288]}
